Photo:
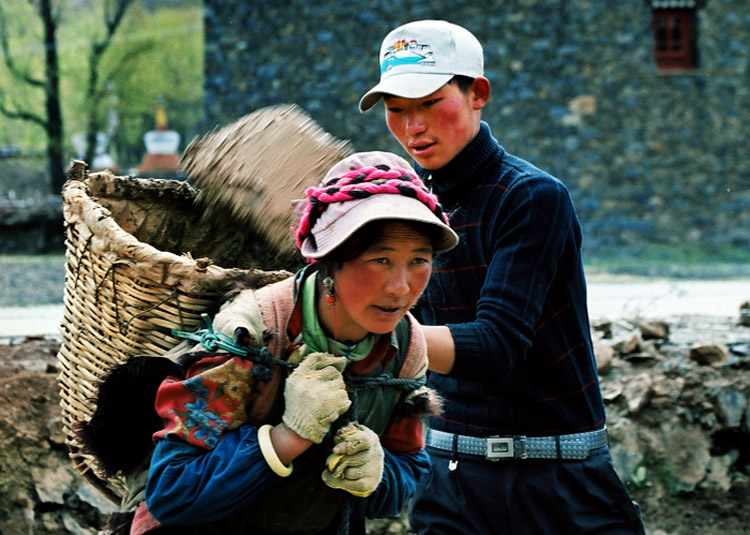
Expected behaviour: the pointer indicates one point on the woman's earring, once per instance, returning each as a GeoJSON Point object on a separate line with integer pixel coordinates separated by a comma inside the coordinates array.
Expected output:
{"type": "Point", "coordinates": [331, 294]}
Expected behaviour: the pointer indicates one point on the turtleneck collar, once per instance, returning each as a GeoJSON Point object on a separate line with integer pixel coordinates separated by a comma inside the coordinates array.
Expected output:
{"type": "Point", "coordinates": [460, 172]}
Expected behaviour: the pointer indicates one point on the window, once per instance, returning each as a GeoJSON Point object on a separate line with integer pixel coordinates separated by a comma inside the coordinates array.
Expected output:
{"type": "Point", "coordinates": [674, 38]}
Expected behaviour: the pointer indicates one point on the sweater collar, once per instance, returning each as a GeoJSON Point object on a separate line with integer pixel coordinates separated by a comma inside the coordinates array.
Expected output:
{"type": "Point", "coordinates": [462, 170]}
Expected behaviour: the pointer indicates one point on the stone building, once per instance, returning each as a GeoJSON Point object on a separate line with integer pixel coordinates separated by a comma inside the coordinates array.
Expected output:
{"type": "Point", "coordinates": [640, 107]}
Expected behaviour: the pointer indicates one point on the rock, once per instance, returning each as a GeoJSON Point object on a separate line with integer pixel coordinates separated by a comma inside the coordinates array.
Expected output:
{"type": "Point", "coordinates": [603, 354]}
{"type": "Point", "coordinates": [640, 356]}
{"type": "Point", "coordinates": [74, 526]}
{"type": "Point", "coordinates": [745, 314]}
{"type": "Point", "coordinates": [654, 330]}
{"type": "Point", "coordinates": [611, 390]}
{"type": "Point", "coordinates": [741, 349]}
{"type": "Point", "coordinates": [626, 452]}
{"type": "Point", "coordinates": [88, 494]}
{"type": "Point", "coordinates": [669, 390]}
{"type": "Point", "coordinates": [732, 406]}
{"type": "Point", "coordinates": [718, 471]}
{"type": "Point", "coordinates": [687, 449]}
{"type": "Point", "coordinates": [52, 485]}
{"type": "Point", "coordinates": [638, 392]}
{"type": "Point", "coordinates": [605, 328]}
{"type": "Point", "coordinates": [628, 345]}
{"type": "Point", "coordinates": [709, 353]}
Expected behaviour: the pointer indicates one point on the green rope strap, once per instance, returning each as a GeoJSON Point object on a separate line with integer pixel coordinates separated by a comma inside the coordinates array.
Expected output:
{"type": "Point", "coordinates": [220, 343]}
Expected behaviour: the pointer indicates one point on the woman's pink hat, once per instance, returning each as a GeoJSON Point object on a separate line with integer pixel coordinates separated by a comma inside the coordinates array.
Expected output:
{"type": "Point", "coordinates": [365, 187]}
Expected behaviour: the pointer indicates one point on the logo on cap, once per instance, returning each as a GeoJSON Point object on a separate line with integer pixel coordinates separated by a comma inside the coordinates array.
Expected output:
{"type": "Point", "coordinates": [403, 52]}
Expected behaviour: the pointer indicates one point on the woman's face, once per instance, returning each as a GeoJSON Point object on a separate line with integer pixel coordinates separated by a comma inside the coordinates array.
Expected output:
{"type": "Point", "coordinates": [376, 289]}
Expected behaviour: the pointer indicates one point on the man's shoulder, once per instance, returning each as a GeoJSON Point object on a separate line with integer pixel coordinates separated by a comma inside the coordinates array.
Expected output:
{"type": "Point", "coordinates": [522, 168]}
{"type": "Point", "coordinates": [514, 172]}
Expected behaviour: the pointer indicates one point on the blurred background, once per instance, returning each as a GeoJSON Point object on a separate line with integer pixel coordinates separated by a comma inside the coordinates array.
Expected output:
{"type": "Point", "coordinates": [639, 107]}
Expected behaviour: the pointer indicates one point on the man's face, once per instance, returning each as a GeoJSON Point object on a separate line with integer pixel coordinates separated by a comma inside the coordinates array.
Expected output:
{"type": "Point", "coordinates": [435, 128]}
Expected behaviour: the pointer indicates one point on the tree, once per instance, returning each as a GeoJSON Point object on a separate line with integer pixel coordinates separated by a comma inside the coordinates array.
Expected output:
{"type": "Point", "coordinates": [51, 121]}
{"type": "Point", "coordinates": [95, 89]}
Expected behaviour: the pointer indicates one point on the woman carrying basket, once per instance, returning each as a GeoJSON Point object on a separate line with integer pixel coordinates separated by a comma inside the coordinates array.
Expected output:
{"type": "Point", "coordinates": [324, 430]}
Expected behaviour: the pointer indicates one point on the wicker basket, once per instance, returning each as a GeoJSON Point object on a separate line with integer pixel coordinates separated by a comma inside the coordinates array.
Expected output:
{"type": "Point", "coordinates": [140, 261]}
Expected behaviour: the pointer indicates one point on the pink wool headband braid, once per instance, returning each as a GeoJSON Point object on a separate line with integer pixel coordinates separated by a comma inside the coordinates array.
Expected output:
{"type": "Point", "coordinates": [360, 184]}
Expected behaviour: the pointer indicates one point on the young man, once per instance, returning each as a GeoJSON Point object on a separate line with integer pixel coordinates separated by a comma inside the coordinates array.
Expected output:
{"type": "Point", "coordinates": [521, 446]}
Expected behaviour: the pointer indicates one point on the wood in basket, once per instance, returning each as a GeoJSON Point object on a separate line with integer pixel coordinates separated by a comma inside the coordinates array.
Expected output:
{"type": "Point", "coordinates": [253, 168]}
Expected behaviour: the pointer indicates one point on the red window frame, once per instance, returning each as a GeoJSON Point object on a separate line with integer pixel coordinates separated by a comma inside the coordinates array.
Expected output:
{"type": "Point", "coordinates": [674, 38]}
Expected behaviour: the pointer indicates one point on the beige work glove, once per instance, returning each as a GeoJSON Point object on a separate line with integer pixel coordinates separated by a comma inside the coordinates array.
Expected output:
{"type": "Point", "coordinates": [315, 396]}
{"type": "Point", "coordinates": [356, 464]}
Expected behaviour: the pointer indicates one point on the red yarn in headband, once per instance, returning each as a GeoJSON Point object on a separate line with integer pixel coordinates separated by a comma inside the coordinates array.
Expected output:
{"type": "Point", "coordinates": [360, 184]}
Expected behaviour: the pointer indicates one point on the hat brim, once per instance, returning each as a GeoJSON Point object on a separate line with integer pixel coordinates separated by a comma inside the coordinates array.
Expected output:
{"type": "Point", "coordinates": [326, 236]}
{"type": "Point", "coordinates": [406, 85]}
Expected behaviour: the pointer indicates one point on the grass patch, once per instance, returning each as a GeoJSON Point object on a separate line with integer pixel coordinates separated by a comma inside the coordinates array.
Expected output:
{"type": "Point", "coordinates": [32, 259]}
{"type": "Point", "coordinates": [29, 280]}
{"type": "Point", "coordinates": [674, 261]}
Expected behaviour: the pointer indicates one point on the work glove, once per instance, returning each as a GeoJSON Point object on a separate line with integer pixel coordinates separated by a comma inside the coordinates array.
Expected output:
{"type": "Point", "coordinates": [356, 463]}
{"type": "Point", "coordinates": [315, 396]}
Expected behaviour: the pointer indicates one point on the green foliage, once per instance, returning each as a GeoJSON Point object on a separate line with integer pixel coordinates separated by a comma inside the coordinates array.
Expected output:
{"type": "Point", "coordinates": [650, 467]}
{"type": "Point", "coordinates": [156, 57]}
{"type": "Point", "coordinates": [25, 42]}
{"type": "Point", "coordinates": [665, 474]}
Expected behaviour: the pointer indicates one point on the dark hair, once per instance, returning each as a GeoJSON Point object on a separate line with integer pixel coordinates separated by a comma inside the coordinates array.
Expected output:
{"type": "Point", "coordinates": [463, 82]}
{"type": "Point", "coordinates": [357, 243]}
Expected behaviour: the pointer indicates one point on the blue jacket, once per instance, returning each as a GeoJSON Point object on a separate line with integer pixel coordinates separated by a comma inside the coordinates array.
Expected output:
{"type": "Point", "coordinates": [188, 485]}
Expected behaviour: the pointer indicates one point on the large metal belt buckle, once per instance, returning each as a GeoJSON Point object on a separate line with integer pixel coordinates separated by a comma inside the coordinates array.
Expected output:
{"type": "Point", "coordinates": [499, 448]}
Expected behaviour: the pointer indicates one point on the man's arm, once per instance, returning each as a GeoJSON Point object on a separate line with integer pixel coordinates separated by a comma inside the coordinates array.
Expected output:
{"type": "Point", "coordinates": [440, 348]}
{"type": "Point", "coordinates": [530, 233]}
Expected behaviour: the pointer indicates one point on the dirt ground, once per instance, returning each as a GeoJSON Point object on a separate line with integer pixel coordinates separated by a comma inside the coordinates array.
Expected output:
{"type": "Point", "coordinates": [41, 493]}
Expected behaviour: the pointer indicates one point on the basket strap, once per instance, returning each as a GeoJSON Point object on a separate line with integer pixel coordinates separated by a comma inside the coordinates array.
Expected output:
{"type": "Point", "coordinates": [215, 341]}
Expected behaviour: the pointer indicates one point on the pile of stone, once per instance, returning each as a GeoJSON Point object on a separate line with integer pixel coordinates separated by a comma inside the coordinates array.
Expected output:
{"type": "Point", "coordinates": [678, 410]}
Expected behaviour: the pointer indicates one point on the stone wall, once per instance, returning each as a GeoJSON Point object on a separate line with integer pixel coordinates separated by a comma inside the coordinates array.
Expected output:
{"type": "Point", "coordinates": [32, 226]}
{"type": "Point", "coordinates": [648, 156]}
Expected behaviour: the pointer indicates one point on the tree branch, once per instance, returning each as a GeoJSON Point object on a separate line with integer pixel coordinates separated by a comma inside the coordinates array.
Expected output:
{"type": "Point", "coordinates": [9, 63]}
{"type": "Point", "coordinates": [114, 11]}
{"type": "Point", "coordinates": [113, 21]}
{"type": "Point", "coordinates": [22, 115]}
{"type": "Point", "coordinates": [131, 55]}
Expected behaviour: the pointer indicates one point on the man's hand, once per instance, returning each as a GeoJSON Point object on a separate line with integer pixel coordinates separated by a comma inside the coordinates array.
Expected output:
{"type": "Point", "coordinates": [356, 464]}
{"type": "Point", "coordinates": [315, 396]}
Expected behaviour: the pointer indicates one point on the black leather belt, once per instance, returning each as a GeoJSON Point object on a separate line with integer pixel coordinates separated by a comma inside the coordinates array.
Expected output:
{"type": "Point", "coordinates": [495, 448]}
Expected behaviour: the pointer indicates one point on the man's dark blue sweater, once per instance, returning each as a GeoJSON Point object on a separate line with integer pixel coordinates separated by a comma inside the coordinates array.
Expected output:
{"type": "Point", "coordinates": [513, 294]}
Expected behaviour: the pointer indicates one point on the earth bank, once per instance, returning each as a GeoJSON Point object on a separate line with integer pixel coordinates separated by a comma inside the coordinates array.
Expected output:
{"type": "Point", "coordinates": [679, 426]}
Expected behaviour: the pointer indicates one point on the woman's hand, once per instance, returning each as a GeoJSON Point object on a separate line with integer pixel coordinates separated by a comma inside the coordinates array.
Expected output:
{"type": "Point", "coordinates": [356, 463]}
{"type": "Point", "coordinates": [315, 396]}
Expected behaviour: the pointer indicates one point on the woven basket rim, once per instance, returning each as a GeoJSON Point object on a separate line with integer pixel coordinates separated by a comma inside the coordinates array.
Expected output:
{"type": "Point", "coordinates": [78, 205]}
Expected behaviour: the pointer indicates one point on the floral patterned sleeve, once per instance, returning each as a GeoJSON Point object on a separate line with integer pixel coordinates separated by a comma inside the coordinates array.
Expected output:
{"type": "Point", "coordinates": [213, 399]}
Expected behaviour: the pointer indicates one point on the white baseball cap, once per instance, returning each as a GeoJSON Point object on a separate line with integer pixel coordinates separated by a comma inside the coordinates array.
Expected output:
{"type": "Point", "coordinates": [418, 58]}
